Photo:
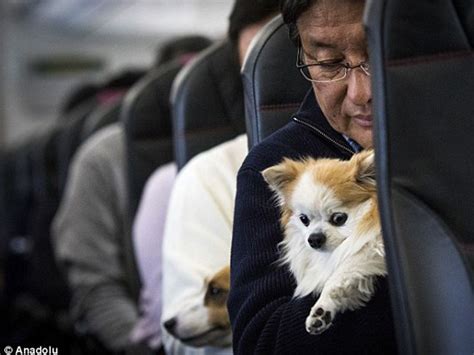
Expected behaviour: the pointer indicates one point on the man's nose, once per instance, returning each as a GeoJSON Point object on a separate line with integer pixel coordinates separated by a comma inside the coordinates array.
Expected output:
{"type": "Point", "coordinates": [359, 88]}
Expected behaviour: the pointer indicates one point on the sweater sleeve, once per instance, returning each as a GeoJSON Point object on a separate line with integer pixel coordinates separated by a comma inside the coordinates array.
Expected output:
{"type": "Point", "coordinates": [87, 233]}
{"type": "Point", "coordinates": [265, 318]}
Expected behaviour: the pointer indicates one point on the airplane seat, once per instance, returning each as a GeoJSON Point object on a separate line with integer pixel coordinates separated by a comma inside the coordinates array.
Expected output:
{"type": "Point", "coordinates": [36, 295]}
{"type": "Point", "coordinates": [79, 127]}
{"type": "Point", "coordinates": [146, 116]}
{"type": "Point", "coordinates": [18, 201]}
{"type": "Point", "coordinates": [46, 281]}
{"type": "Point", "coordinates": [273, 87]}
{"type": "Point", "coordinates": [104, 115]}
{"type": "Point", "coordinates": [207, 102]}
{"type": "Point", "coordinates": [422, 63]}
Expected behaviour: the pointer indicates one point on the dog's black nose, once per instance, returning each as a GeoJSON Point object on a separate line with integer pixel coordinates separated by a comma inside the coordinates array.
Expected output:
{"type": "Point", "coordinates": [170, 325]}
{"type": "Point", "coordinates": [316, 240]}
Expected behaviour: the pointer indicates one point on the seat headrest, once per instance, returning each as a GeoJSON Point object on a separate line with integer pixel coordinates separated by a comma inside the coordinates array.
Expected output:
{"type": "Point", "coordinates": [450, 25]}
{"type": "Point", "coordinates": [273, 87]}
{"type": "Point", "coordinates": [207, 102]}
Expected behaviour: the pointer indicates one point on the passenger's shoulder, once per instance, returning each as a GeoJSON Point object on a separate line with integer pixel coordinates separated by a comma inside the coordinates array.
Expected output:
{"type": "Point", "coordinates": [162, 176]}
{"type": "Point", "coordinates": [109, 140]}
{"type": "Point", "coordinates": [226, 157]}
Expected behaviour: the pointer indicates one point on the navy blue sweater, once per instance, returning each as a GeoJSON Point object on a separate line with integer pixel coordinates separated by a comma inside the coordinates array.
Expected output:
{"type": "Point", "coordinates": [266, 319]}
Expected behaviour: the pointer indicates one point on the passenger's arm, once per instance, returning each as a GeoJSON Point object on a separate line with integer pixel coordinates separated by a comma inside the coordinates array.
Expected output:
{"type": "Point", "coordinates": [196, 242]}
{"type": "Point", "coordinates": [148, 230]}
{"type": "Point", "coordinates": [265, 317]}
{"type": "Point", "coordinates": [88, 231]}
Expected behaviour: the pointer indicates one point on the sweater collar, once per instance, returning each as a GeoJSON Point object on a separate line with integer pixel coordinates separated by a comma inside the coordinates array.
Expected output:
{"type": "Point", "coordinates": [311, 114]}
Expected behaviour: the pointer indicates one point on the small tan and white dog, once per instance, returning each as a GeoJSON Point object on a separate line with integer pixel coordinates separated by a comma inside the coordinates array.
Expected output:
{"type": "Point", "coordinates": [206, 323]}
{"type": "Point", "coordinates": [332, 235]}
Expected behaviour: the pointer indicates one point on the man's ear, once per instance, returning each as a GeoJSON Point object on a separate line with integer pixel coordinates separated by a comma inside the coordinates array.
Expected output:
{"type": "Point", "coordinates": [278, 177]}
{"type": "Point", "coordinates": [365, 168]}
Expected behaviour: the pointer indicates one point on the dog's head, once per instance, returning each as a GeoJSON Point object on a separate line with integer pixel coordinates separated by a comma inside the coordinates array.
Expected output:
{"type": "Point", "coordinates": [324, 201]}
{"type": "Point", "coordinates": [206, 323]}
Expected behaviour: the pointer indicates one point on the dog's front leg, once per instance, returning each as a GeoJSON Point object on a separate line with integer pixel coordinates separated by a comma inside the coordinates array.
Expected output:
{"type": "Point", "coordinates": [346, 289]}
{"type": "Point", "coordinates": [322, 313]}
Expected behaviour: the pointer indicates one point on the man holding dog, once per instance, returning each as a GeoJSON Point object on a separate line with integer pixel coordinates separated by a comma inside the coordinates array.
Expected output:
{"type": "Point", "coordinates": [334, 121]}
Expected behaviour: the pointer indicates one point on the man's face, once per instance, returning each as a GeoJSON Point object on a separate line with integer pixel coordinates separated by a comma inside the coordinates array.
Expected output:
{"type": "Point", "coordinates": [332, 30]}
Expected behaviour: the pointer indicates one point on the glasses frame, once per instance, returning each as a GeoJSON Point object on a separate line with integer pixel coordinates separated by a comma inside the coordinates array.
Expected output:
{"type": "Point", "coordinates": [301, 66]}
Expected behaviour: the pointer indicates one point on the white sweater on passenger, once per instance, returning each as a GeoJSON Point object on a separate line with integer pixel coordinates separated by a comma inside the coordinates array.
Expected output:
{"type": "Point", "coordinates": [198, 231]}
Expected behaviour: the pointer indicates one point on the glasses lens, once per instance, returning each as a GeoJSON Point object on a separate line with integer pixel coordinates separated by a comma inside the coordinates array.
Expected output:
{"type": "Point", "coordinates": [305, 72]}
{"type": "Point", "coordinates": [327, 72]}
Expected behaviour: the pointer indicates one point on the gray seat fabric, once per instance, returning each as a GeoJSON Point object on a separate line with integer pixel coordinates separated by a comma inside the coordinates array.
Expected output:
{"type": "Point", "coordinates": [423, 63]}
{"type": "Point", "coordinates": [207, 102]}
{"type": "Point", "coordinates": [273, 87]}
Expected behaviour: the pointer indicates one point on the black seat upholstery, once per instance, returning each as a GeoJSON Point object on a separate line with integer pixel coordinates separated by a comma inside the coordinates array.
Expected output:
{"type": "Point", "coordinates": [101, 110]}
{"type": "Point", "coordinates": [145, 113]}
{"type": "Point", "coordinates": [46, 282]}
{"type": "Point", "coordinates": [207, 102]}
{"type": "Point", "coordinates": [36, 294]}
{"type": "Point", "coordinates": [146, 116]}
{"type": "Point", "coordinates": [273, 87]}
{"type": "Point", "coordinates": [422, 85]}
{"type": "Point", "coordinates": [104, 115]}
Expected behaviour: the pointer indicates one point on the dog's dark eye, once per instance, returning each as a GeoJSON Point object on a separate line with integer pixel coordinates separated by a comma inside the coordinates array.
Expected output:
{"type": "Point", "coordinates": [214, 291]}
{"type": "Point", "coordinates": [304, 219]}
{"type": "Point", "coordinates": [338, 219]}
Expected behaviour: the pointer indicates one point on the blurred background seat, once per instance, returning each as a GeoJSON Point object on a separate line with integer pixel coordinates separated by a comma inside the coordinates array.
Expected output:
{"type": "Point", "coordinates": [207, 102]}
{"type": "Point", "coordinates": [146, 117]}
{"type": "Point", "coordinates": [273, 87]}
{"type": "Point", "coordinates": [147, 121]}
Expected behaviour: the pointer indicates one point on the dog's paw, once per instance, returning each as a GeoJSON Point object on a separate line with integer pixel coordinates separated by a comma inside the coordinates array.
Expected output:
{"type": "Point", "coordinates": [318, 321]}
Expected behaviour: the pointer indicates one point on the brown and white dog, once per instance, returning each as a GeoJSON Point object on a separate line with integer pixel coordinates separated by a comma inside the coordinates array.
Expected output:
{"type": "Point", "coordinates": [206, 323]}
{"type": "Point", "coordinates": [332, 235]}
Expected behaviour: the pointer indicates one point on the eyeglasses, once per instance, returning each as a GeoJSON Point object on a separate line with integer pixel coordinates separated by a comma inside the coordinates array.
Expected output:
{"type": "Point", "coordinates": [326, 72]}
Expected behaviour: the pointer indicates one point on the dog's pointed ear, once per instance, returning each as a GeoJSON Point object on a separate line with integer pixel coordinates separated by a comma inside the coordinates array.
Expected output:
{"type": "Point", "coordinates": [365, 165]}
{"type": "Point", "coordinates": [279, 176]}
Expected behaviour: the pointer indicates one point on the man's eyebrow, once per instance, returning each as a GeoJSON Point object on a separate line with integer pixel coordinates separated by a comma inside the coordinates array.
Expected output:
{"type": "Point", "coordinates": [316, 44]}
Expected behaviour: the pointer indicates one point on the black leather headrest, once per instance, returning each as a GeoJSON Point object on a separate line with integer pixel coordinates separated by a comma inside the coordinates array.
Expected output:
{"type": "Point", "coordinates": [146, 116]}
{"type": "Point", "coordinates": [207, 102]}
{"type": "Point", "coordinates": [273, 87]}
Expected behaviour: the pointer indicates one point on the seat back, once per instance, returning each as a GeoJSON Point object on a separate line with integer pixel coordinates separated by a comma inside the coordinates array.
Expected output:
{"type": "Point", "coordinates": [104, 115]}
{"type": "Point", "coordinates": [146, 116]}
{"type": "Point", "coordinates": [422, 62]}
{"type": "Point", "coordinates": [207, 102]}
{"type": "Point", "coordinates": [273, 87]}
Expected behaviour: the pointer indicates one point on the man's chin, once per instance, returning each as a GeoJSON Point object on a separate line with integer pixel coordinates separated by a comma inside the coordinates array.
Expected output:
{"type": "Point", "coordinates": [363, 137]}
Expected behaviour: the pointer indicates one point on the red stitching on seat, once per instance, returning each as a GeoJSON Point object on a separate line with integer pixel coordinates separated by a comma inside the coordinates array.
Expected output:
{"type": "Point", "coordinates": [277, 107]}
{"type": "Point", "coordinates": [430, 58]}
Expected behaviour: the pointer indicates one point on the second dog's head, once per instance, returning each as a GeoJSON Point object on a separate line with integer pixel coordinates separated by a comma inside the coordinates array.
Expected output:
{"type": "Point", "coordinates": [325, 201]}
{"type": "Point", "coordinates": [206, 323]}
